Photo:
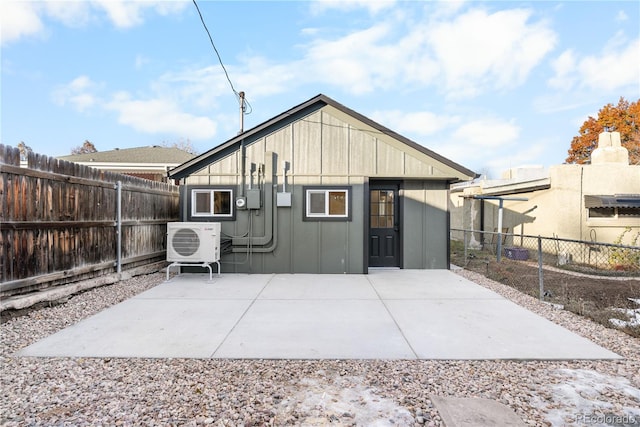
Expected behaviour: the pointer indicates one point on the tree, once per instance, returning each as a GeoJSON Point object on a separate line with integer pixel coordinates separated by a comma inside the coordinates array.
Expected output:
{"type": "Point", "coordinates": [86, 148]}
{"type": "Point", "coordinates": [623, 118]}
{"type": "Point", "coordinates": [24, 150]}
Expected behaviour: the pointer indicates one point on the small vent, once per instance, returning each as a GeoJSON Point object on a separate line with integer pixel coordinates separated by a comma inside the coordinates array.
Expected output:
{"type": "Point", "coordinates": [185, 242]}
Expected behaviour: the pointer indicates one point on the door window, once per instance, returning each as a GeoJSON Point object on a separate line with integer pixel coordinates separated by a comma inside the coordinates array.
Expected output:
{"type": "Point", "coordinates": [382, 209]}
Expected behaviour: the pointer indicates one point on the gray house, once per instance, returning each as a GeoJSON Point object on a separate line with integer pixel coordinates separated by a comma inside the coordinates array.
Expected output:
{"type": "Point", "coordinates": [322, 189]}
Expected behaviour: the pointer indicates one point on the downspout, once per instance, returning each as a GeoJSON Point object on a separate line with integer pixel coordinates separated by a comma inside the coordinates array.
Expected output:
{"type": "Point", "coordinates": [243, 149]}
{"type": "Point", "coordinates": [243, 167]}
{"type": "Point", "coordinates": [184, 202]}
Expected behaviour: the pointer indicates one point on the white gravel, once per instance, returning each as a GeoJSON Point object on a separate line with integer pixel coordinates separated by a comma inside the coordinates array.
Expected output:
{"type": "Point", "coordinates": [127, 392]}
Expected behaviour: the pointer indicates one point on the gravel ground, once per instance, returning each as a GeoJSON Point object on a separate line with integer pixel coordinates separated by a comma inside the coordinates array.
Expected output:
{"type": "Point", "coordinates": [91, 391]}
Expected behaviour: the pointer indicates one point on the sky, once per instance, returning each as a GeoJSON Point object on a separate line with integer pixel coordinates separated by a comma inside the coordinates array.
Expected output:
{"type": "Point", "coordinates": [490, 85]}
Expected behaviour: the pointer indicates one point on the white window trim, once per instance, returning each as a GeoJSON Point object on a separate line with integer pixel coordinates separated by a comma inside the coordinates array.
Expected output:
{"type": "Point", "coordinates": [326, 192]}
{"type": "Point", "coordinates": [212, 202]}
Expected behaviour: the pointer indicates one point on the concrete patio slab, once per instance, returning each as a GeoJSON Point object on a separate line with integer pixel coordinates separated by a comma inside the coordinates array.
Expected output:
{"type": "Point", "coordinates": [316, 329]}
{"type": "Point", "coordinates": [198, 286]}
{"type": "Point", "coordinates": [411, 285]}
{"type": "Point", "coordinates": [316, 286]}
{"type": "Point", "coordinates": [147, 328]}
{"type": "Point", "coordinates": [387, 314]}
{"type": "Point", "coordinates": [486, 329]}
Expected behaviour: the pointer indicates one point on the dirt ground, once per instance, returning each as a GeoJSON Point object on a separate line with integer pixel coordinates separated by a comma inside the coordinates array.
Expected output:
{"type": "Point", "coordinates": [588, 295]}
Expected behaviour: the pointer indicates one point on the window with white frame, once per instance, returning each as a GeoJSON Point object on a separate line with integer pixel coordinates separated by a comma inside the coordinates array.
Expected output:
{"type": "Point", "coordinates": [327, 203]}
{"type": "Point", "coordinates": [211, 202]}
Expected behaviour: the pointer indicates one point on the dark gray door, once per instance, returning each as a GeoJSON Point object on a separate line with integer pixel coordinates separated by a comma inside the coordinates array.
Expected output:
{"type": "Point", "coordinates": [384, 226]}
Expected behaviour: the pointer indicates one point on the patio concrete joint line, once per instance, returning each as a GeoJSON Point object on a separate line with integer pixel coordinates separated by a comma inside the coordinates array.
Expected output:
{"type": "Point", "coordinates": [240, 317]}
{"type": "Point", "coordinates": [404, 337]}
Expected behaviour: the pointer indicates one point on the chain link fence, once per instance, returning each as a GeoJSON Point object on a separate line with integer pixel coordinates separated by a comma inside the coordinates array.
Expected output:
{"type": "Point", "coordinates": [600, 281]}
{"type": "Point", "coordinates": [603, 259]}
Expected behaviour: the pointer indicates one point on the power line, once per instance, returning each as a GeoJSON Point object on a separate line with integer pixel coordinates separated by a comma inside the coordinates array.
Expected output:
{"type": "Point", "coordinates": [216, 50]}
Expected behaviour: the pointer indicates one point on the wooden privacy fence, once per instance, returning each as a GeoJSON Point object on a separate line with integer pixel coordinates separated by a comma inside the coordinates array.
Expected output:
{"type": "Point", "coordinates": [61, 222]}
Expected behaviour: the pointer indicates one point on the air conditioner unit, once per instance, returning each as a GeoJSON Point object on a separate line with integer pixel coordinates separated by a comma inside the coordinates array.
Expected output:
{"type": "Point", "coordinates": [193, 242]}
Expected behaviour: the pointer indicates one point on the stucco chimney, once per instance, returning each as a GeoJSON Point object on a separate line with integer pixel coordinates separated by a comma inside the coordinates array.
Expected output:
{"type": "Point", "coordinates": [610, 150]}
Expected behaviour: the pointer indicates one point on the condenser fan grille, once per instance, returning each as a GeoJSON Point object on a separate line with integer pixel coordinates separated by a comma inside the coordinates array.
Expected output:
{"type": "Point", "coordinates": [185, 242]}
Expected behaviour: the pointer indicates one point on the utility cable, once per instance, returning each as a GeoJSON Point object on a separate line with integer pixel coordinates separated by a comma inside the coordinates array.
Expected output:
{"type": "Point", "coordinates": [216, 50]}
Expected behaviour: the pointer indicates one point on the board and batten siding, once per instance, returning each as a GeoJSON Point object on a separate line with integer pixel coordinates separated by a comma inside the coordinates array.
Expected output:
{"type": "Point", "coordinates": [425, 217]}
{"type": "Point", "coordinates": [329, 147]}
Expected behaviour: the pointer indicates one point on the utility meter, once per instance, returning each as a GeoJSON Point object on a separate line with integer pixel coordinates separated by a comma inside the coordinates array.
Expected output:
{"type": "Point", "coordinates": [241, 202]}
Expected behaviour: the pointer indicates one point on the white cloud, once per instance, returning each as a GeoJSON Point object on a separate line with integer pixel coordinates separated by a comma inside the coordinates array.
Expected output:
{"type": "Point", "coordinates": [79, 93]}
{"type": "Point", "coordinates": [480, 51]}
{"type": "Point", "coordinates": [373, 6]}
{"type": "Point", "coordinates": [74, 14]}
{"type": "Point", "coordinates": [358, 62]}
{"type": "Point", "coordinates": [166, 111]}
{"type": "Point", "coordinates": [612, 70]}
{"type": "Point", "coordinates": [499, 161]}
{"type": "Point", "coordinates": [25, 18]}
{"type": "Point", "coordinates": [127, 13]}
{"type": "Point", "coordinates": [558, 102]}
{"type": "Point", "coordinates": [141, 61]}
{"type": "Point", "coordinates": [462, 53]}
{"type": "Point", "coordinates": [266, 78]}
{"type": "Point", "coordinates": [490, 150]}
{"type": "Point", "coordinates": [122, 14]}
{"type": "Point", "coordinates": [618, 66]}
{"type": "Point", "coordinates": [621, 16]}
{"type": "Point", "coordinates": [564, 67]}
{"type": "Point", "coordinates": [421, 123]}
{"type": "Point", "coordinates": [487, 133]}
{"type": "Point", "coordinates": [197, 88]}
{"type": "Point", "coordinates": [446, 9]}
{"type": "Point", "coordinates": [160, 116]}
{"type": "Point", "coordinates": [18, 19]}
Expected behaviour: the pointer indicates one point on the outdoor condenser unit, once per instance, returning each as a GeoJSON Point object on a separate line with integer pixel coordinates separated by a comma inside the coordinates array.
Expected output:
{"type": "Point", "coordinates": [193, 243]}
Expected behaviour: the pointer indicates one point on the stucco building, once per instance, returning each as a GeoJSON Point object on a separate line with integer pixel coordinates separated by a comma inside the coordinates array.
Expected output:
{"type": "Point", "coordinates": [595, 201]}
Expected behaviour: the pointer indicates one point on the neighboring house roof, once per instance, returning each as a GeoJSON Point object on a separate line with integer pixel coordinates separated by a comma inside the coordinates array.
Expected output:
{"type": "Point", "coordinates": [154, 159]}
{"type": "Point", "coordinates": [295, 113]}
{"type": "Point", "coordinates": [151, 154]}
{"type": "Point", "coordinates": [502, 187]}
{"type": "Point", "coordinates": [517, 180]}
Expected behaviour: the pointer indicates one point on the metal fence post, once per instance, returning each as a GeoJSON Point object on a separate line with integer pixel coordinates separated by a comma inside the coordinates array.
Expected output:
{"type": "Point", "coordinates": [540, 275]}
{"type": "Point", "coordinates": [119, 227]}
{"type": "Point", "coordinates": [499, 246]}
{"type": "Point", "coordinates": [465, 246]}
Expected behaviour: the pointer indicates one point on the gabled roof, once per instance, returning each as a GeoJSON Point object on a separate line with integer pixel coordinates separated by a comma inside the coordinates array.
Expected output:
{"type": "Point", "coordinates": [142, 155]}
{"type": "Point", "coordinates": [299, 111]}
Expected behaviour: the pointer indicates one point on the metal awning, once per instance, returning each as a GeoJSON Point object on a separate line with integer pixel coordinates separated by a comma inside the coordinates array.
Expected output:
{"type": "Point", "coordinates": [615, 201]}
